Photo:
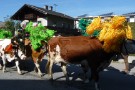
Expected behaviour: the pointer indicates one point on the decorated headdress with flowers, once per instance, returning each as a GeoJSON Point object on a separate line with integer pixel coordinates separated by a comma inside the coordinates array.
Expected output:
{"type": "Point", "coordinates": [83, 24]}
{"type": "Point", "coordinates": [113, 31]}
{"type": "Point", "coordinates": [38, 33]}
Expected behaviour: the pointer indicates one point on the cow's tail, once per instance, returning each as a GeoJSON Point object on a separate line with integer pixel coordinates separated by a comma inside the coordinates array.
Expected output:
{"type": "Point", "coordinates": [48, 61]}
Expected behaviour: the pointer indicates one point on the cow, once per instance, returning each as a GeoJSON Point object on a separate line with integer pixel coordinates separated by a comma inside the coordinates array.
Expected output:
{"type": "Point", "coordinates": [86, 51]}
{"type": "Point", "coordinates": [36, 55]}
{"type": "Point", "coordinates": [10, 52]}
{"type": "Point", "coordinates": [128, 47]}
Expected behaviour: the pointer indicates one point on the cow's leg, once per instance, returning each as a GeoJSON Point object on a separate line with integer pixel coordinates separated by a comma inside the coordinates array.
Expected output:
{"type": "Point", "coordinates": [17, 66]}
{"type": "Point", "coordinates": [1, 64]}
{"type": "Point", "coordinates": [4, 63]}
{"type": "Point", "coordinates": [85, 68]}
{"type": "Point", "coordinates": [38, 67]}
{"type": "Point", "coordinates": [50, 62]}
{"type": "Point", "coordinates": [95, 77]}
{"type": "Point", "coordinates": [64, 69]}
{"type": "Point", "coordinates": [126, 63]}
{"type": "Point", "coordinates": [47, 66]}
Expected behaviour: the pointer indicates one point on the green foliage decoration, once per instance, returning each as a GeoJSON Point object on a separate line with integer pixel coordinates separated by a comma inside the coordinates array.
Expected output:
{"type": "Point", "coordinates": [83, 23]}
{"type": "Point", "coordinates": [5, 34]}
{"type": "Point", "coordinates": [38, 33]}
{"type": "Point", "coordinates": [96, 33]}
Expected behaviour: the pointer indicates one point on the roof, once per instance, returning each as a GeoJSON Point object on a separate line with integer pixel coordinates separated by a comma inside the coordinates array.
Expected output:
{"type": "Point", "coordinates": [82, 16]}
{"type": "Point", "coordinates": [131, 13]}
{"type": "Point", "coordinates": [102, 15]}
{"type": "Point", "coordinates": [43, 11]}
{"type": "Point", "coordinates": [107, 14]}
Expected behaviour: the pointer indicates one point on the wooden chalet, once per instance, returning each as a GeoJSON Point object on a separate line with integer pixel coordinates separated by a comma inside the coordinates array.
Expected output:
{"type": "Point", "coordinates": [49, 18]}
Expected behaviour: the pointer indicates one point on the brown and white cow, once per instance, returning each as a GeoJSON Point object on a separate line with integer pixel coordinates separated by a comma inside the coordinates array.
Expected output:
{"type": "Point", "coordinates": [37, 55]}
{"type": "Point", "coordinates": [78, 50]}
{"type": "Point", "coordinates": [9, 52]}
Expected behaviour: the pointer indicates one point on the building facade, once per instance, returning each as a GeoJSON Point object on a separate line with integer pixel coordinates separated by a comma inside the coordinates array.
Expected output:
{"type": "Point", "coordinates": [130, 16]}
{"type": "Point", "coordinates": [47, 17]}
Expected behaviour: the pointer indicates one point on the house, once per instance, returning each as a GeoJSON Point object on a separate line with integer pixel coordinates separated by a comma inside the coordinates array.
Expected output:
{"type": "Point", "coordinates": [86, 16]}
{"type": "Point", "coordinates": [130, 16]}
{"type": "Point", "coordinates": [47, 17]}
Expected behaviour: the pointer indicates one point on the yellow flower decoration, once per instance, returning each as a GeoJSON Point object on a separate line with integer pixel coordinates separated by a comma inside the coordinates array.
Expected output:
{"type": "Point", "coordinates": [114, 31]}
{"type": "Point", "coordinates": [95, 25]}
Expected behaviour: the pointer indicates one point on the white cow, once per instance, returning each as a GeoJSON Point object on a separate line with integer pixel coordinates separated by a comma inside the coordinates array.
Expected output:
{"type": "Point", "coordinates": [15, 54]}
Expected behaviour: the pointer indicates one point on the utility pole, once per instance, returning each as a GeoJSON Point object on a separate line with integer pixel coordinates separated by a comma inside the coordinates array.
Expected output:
{"type": "Point", "coordinates": [55, 5]}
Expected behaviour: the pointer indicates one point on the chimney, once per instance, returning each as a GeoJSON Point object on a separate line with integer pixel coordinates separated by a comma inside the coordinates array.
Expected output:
{"type": "Point", "coordinates": [51, 8]}
{"type": "Point", "coordinates": [46, 7]}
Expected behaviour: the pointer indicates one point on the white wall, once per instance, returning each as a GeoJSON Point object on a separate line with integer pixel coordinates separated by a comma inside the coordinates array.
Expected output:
{"type": "Point", "coordinates": [23, 23]}
{"type": "Point", "coordinates": [43, 21]}
{"type": "Point", "coordinates": [77, 24]}
{"type": "Point", "coordinates": [132, 19]}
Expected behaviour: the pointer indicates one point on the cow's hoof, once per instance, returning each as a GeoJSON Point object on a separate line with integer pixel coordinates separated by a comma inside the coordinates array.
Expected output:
{"type": "Point", "coordinates": [20, 73]}
{"type": "Point", "coordinates": [0, 67]}
{"type": "Point", "coordinates": [50, 79]}
{"type": "Point", "coordinates": [4, 71]}
{"type": "Point", "coordinates": [125, 71]}
{"type": "Point", "coordinates": [40, 74]}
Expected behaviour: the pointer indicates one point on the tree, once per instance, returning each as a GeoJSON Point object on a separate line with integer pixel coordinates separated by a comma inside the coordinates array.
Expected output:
{"type": "Point", "coordinates": [10, 25]}
{"type": "Point", "coordinates": [132, 25]}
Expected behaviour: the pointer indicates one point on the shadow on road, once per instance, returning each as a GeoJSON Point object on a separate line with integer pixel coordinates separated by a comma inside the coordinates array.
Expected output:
{"type": "Point", "coordinates": [110, 79]}
{"type": "Point", "coordinates": [113, 79]}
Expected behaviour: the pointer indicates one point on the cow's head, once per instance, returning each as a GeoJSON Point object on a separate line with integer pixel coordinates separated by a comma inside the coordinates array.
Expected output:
{"type": "Point", "coordinates": [18, 42]}
{"type": "Point", "coordinates": [14, 52]}
{"type": "Point", "coordinates": [18, 47]}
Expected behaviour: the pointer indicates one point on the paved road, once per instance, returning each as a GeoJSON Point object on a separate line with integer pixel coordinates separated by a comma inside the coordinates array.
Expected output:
{"type": "Point", "coordinates": [110, 79]}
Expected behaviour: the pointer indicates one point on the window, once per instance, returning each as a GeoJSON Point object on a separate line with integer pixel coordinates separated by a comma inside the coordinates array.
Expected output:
{"type": "Point", "coordinates": [131, 16]}
{"type": "Point", "coordinates": [39, 22]}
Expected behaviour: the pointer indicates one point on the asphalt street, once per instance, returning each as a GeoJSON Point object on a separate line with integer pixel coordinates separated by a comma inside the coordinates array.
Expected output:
{"type": "Point", "coordinates": [111, 78]}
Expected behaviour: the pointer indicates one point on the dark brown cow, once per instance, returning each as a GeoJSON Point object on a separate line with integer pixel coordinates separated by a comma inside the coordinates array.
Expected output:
{"type": "Point", "coordinates": [128, 47]}
{"type": "Point", "coordinates": [78, 50]}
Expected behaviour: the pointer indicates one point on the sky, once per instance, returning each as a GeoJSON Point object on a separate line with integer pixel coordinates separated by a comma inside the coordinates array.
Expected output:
{"type": "Point", "coordinates": [72, 8]}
